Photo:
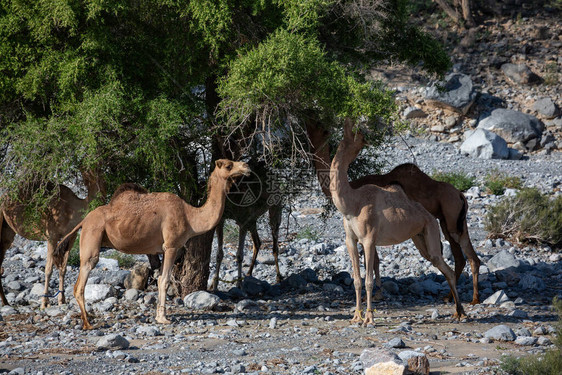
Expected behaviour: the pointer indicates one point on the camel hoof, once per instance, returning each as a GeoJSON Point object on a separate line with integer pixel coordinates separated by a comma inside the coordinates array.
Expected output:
{"type": "Point", "coordinates": [163, 320]}
{"type": "Point", "coordinates": [475, 301]}
{"type": "Point", "coordinates": [87, 327]}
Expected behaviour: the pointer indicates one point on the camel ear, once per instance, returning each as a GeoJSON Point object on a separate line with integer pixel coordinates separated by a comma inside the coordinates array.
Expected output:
{"type": "Point", "coordinates": [219, 163]}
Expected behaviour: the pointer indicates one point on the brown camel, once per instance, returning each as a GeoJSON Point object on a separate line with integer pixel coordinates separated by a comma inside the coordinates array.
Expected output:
{"type": "Point", "coordinates": [157, 223]}
{"type": "Point", "coordinates": [381, 216]}
{"type": "Point", "coordinates": [441, 199]}
{"type": "Point", "coordinates": [63, 213]}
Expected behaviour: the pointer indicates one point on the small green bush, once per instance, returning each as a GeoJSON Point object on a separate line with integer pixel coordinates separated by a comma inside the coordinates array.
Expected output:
{"type": "Point", "coordinates": [497, 182]}
{"type": "Point", "coordinates": [459, 180]}
{"type": "Point", "coordinates": [230, 232]}
{"type": "Point", "coordinates": [74, 256]}
{"type": "Point", "coordinates": [527, 216]}
{"type": "Point", "coordinates": [309, 233]}
{"type": "Point", "coordinates": [124, 260]}
{"type": "Point", "coordinates": [548, 364]}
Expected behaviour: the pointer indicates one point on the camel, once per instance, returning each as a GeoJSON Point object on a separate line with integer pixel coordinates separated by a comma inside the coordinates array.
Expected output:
{"type": "Point", "coordinates": [136, 222]}
{"type": "Point", "coordinates": [381, 216]}
{"type": "Point", "coordinates": [246, 218]}
{"type": "Point", "coordinates": [441, 199]}
{"type": "Point", "coordinates": [63, 213]}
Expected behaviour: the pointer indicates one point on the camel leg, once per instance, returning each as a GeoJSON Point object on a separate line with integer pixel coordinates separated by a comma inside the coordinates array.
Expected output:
{"type": "Point", "coordinates": [62, 272]}
{"type": "Point", "coordinates": [240, 253]}
{"type": "Point", "coordinates": [48, 272]}
{"type": "Point", "coordinates": [89, 257]}
{"type": "Point", "coordinates": [275, 213]}
{"type": "Point", "coordinates": [256, 247]}
{"type": "Point", "coordinates": [220, 254]}
{"type": "Point", "coordinates": [460, 261]}
{"type": "Point", "coordinates": [5, 242]}
{"type": "Point", "coordinates": [466, 245]}
{"type": "Point", "coordinates": [167, 263]}
{"type": "Point", "coordinates": [370, 257]}
{"type": "Point", "coordinates": [351, 243]}
{"type": "Point", "coordinates": [378, 292]}
{"type": "Point", "coordinates": [428, 244]}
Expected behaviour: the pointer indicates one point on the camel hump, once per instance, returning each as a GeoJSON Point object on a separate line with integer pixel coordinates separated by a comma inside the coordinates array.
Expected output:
{"type": "Point", "coordinates": [128, 186]}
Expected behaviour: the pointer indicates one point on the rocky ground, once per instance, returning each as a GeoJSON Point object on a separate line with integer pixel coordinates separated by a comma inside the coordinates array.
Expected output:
{"type": "Point", "coordinates": [301, 326]}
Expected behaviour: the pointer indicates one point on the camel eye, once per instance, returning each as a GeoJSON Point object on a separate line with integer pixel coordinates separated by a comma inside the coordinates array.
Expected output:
{"type": "Point", "coordinates": [229, 167]}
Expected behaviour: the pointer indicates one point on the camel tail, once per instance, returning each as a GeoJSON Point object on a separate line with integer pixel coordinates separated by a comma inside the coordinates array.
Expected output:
{"type": "Point", "coordinates": [65, 245]}
{"type": "Point", "coordinates": [461, 220]}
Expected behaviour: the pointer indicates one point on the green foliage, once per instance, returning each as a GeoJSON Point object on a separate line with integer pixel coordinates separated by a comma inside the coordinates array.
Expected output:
{"type": "Point", "coordinates": [497, 182]}
{"type": "Point", "coordinates": [124, 260]}
{"type": "Point", "coordinates": [308, 232]}
{"type": "Point", "coordinates": [230, 232]}
{"type": "Point", "coordinates": [459, 180]}
{"type": "Point", "coordinates": [548, 364]}
{"type": "Point", "coordinates": [552, 77]}
{"type": "Point", "coordinates": [74, 255]}
{"type": "Point", "coordinates": [528, 216]}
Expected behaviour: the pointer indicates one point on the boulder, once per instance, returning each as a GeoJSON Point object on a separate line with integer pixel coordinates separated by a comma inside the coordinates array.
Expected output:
{"type": "Point", "coordinates": [391, 287]}
{"type": "Point", "coordinates": [112, 341]}
{"type": "Point", "coordinates": [501, 333]}
{"type": "Point", "coordinates": [117, 278]}
{"type": "Point", "coordinates": [254, 287]}
{"type": "Point", "coordinates": [414, 112]}
{"type": "Point", "coordinates": [98, 292]}
{"type": "Point", "coordinates": [502, 260]}
{"type": "Point", "coordinates": [416, 362]}
{"type": "Point", "coordinates": [131, 295]}
{"type": "Point", "coordinates": [380, 361]}
{"type": "Point", "coordinates": [546, 107]}
{"type": "Point", "coordinates": [526, 341]}
{"type": "Point", "coordinates": [201, 300]}
{"type": "Point", "coordinates": [530, 282]}
{"type": "Point", "coordinates": [497, 298]}
{"type": "Point", "coordinates": [457, 94]}
{"type": "Point", "coordinates": [520, 74]}
{"type": "Point", "coordinates": [138, 278]}
{"type": "Point", "coordinates": [108, 264]}
{"type": "Point", "coordinates": [512, 126]}
{"type": "Point", "coordinates": [484, 144]}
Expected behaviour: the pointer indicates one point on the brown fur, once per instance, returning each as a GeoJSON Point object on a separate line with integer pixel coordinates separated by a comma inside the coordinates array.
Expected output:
{"type": "Point", "coordinates": [441, 199]}
{"type": "Point", "coordinates": [155, 223]}
{"type": "Point", "coordinates": [128, 186]}
{"type": "Point", "coordinates": [381, 216]}
{"type": "Point", "coordinates": [63, 213]}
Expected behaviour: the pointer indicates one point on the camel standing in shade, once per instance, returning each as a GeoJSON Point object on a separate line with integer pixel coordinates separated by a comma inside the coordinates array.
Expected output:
{"type": "Point", "coordinates": [156, 223]}
{"type": "Point", "coordinates": [63, 213]}
{"type": "Point", "coordinates": [246, 216]}
{"type": "Point", "coordinates": [440, 199]}
{"type": "Point", "coordinates": [381, 216]}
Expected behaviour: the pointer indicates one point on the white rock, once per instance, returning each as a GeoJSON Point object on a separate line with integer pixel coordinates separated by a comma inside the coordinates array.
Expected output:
{"type": "Point", "coordinates": [201, 300]}
{"type": "Point", "coordinates": [109, 264]}
{"type": "Point", "coordinates": [497, 298]}
{"type": "Point", "coordinates": [98, 292]}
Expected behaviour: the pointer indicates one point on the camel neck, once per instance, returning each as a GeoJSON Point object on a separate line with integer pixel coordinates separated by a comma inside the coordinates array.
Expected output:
{"type": "Point", "coordinates": [203, 219]}
{"type": "Point", "coordinates": [342, 193]}
{"type": "Point", "coordinates": [95, 186]}
{"type": "Point", "coordinates": [319, 140]}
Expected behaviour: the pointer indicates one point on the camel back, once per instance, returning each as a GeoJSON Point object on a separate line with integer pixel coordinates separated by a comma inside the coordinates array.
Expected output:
{"type": "Point", "coordinates": [128, 186]}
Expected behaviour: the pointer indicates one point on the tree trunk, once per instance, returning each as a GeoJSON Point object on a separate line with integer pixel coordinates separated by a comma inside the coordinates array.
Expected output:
{"type": "Point", "coordinates": [191, 272]}
{"type": "Point", "coordinates": [447, 8]}
{"type": "Point", "coordinates": [466, 6]}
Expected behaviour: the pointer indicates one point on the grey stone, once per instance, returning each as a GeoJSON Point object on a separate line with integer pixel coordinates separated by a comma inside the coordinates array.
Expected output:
{"type": "Point", "coordinates": [295, 281]}
{"type": "Point", "coordinates": [254, 287]}
{"type": "Point", "coordinates": [7, 310]}
{"type": "Point", "coordinates": [108, 264]}
{"type": "Point", "coordinates": [430, 287]}
{"type": "Point", "coordinates": [309, 275]}
{"type": "Point", "coordinates": [457, 94]}
{"type": "Point", "coordinates": [544, 341]}
{"type": "Point", "coordinates": [117, 278]}
{"type": "Point", "coordinates": [503, 260]}
{"type": "Point", "coordinates": [53, 311]}
{"type": "Point", "coordinates": [497, 298]}
{"type": "Point", "coordinates": [247, 305]}
{"type": "Point", "coordinates": [414, 112]}
{"type": "Point", "coordinates": [526, 340]}
{"type": "Point", "coordinates": [112, 341]}
{"type": "Point", "coordinates": [37, 290]}
{"type": "Point", "coordinates": [201, 300]}
{"type": "Point", "coordinates": [148, 331]}
{"type": "Point", "coordinates": [530, 282]}
{"type": "Point", "coordinates": [501, 333]}
{"type": "Point", "coordinates": [98, 292]}
{"type": "Point", "coordinates": [520, 73]}
{"type": "Point", "coordinates": [484, 144]}
{"type": "Point", "coordinates": [512, 126]}
{"type": "Point", "coordinates": [329, 287]}
{"type": "Point", "coordinates": [131, 295]}
{"type": "Point", "coordinates": [546, 107]}
{"type": "Point", "coordinates": [524, 332]}
{"type": "Point", "coordinates": [540, 331]}
{"type": "Point", "coordinates": [395, 343]}
{"type": "Point", "coordinates": [520, 314]}
{"type": "Point", "coordinates": [14, 285]}
{"type": "Point", "coordinates": [372, 356]}
{"type": "Point", "coordinates": [17, 371]}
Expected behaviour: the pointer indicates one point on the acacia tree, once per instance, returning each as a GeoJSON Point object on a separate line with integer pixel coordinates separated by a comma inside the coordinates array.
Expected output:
{"type": "Point", "coordinates": [143, 90]}
{"type": "Point", "coordinates": [458, 10]}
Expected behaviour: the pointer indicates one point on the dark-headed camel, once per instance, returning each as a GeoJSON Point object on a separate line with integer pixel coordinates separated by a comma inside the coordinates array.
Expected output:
{"type": "Point", "coordinates": [246, 214]}
{"type": "Point", "coordinates": [381, 216]}
{"type": "Point", "coordinates": [441, 199]}
{"type": "Point", "coordinates": [63, 213]}
{"type": "Point", "coordinates": [157, 223]}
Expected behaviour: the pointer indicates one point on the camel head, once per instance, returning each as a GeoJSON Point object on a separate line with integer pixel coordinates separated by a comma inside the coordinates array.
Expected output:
{"type": "Point", "coordinates": [354, 139]}
{"type": "Point", "coordinates": [229, 170]}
